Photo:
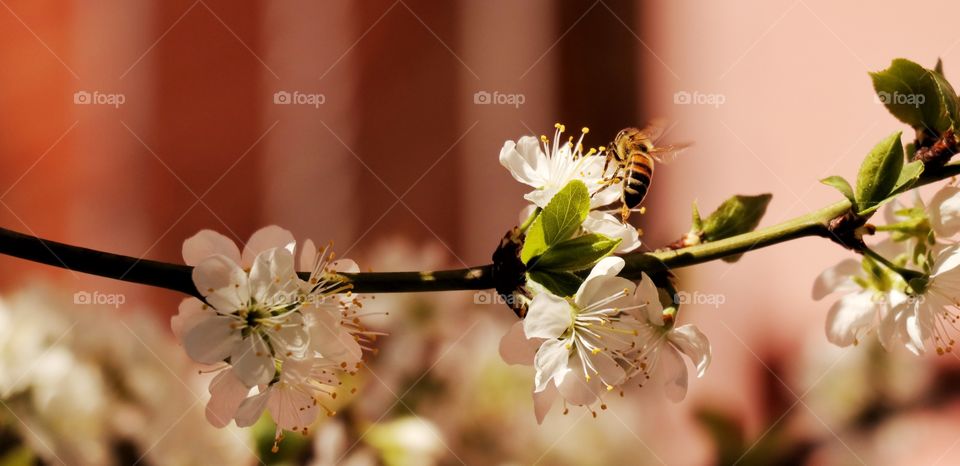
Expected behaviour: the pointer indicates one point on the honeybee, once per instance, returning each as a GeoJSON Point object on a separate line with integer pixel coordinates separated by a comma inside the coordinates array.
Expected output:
{"type": "Point", "coordinates": [633, 152]}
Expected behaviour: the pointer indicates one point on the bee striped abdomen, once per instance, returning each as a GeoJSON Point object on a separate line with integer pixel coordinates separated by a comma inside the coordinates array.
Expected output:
{"type": "Point", "coordinates": [638, 180]}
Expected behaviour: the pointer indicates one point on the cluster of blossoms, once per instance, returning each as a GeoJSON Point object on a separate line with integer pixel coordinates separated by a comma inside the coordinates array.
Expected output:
{"type": "Point", "coordinates": [886, 296]}
{"type": "Point", "coordinates": [279, 342]}
{"type": "Point", "coordinates": [610, 333]}
{"type": "Point", "coordinates": [548, 166]}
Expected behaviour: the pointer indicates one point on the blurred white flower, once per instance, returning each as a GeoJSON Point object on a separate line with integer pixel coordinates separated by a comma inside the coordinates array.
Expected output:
{"type": "Point", "coordinates": [76, 395]}
{"type": "Point", "coordinates": [253, 317]}
{"type": "Point", "coordinates": [664, 344]}
{"type": "Point", "coordinates": [931, 315]}
{"type": "Point", "coordinates": [944, 211]}
{"type": "Point", "coordinates": [407, 441]}
{"type": "Point", "coordinates": [287, 339]}
{"type": "Point", "coordinates": [294, 399]}
{"type": "Point", "coordinates": [871, 291]}
{"type": "Point", "coordinates": [576, 344]}
{"type": "Point", "coordinates": [549, 167]}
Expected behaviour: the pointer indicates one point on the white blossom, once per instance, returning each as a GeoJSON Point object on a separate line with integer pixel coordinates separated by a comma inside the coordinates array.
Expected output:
{"type": "Point", "coordinates": [929, 316]}
{"type": "Point", "coordinates": [664, 344]}
{"type": "Point", "coordinates": [870, 292]}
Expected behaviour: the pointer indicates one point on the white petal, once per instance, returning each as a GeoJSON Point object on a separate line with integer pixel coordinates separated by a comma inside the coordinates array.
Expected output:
{"type": "Point", "coordinates": [851, 318]}
{"type": "Point", "coordinates": [308, 256]}
{"type": "Point", "coordinates": [207, 243]}
{"type": "Point", "coordinates": [594, 287]}
{"type": "Point", "coordinates": [576, 389]}
{"type": "Point", "coordinates": [211, 338]}
{"type": "Point", "coordinates": [675, 371]}
{"type": "Point", "coordinates": [252, 408]}
{"type": "Point", "coordinates": [227, 392]}
{"type": "Point", "coordinates": [344, 266]}
{"type": "Point", "coordinates": [947, 262]}
{"type": "Point", "coordinates": [292, 409]}
{"type": "Point", "coordinates": [266, 238]}
{"type": "Point", "coordinates": [189, 314]}
{"type": "Point", "coordinates": [944, 211]}
{"type": "Point", "coordinates": [524, 160]}
{"type": "Point", "coordinates": [603, 288]}
{"type": "Point", "coordinates": [273, 280]}
{"type": "Point", "coordinates": [222, 282]}
{"type": "Point", "coordinates": [252, 361]}
{"type": "Point", "coordinates": [836, 278]}
{"type": "Point", "coordinates": [543, 401]}
{"type": "Point", "coordinates": [548, 316]}
{"type": "Point", "coordinates": [516, 348]}
{"type": "Point", "coordinates": [648, 295]}
{"type": "Point", "coordinates": [609, 226]}
{"type": "Point", "coordinates": [293, 338]}
{"type": "Point", "coordinates": [690, 341]}
{"type": "Point", "coordinates": [551, 364]}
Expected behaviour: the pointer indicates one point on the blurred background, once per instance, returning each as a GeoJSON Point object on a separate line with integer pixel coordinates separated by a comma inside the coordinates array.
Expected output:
{"type": "Point", "coordinates": [129, 126]}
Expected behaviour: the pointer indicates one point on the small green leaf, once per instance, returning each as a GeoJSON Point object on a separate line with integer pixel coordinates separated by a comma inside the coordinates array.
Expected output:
{"type": "Point", "coordinates": [696, 225]}
{"type": "Point", "coordinates": [917, 96]}
{"type": "Point", "coordinates": [534, 244]}
{"type": "Point", "coordinates": [841, 185]}
{"type": "Point", "coordinates": [559, 283]}
{"type": "Point", "coordinates": [879, 173]}
{"type": "Point", "coordinates": [560, 219]}
{"type": "Point", "coordinates": [736, 215]}
{"type": "Point", "coordinates": [565, 212]}
{"type": "Point", "coordinates": [908, 176]}
{"type": "Point", "coordinates": [578, 253]}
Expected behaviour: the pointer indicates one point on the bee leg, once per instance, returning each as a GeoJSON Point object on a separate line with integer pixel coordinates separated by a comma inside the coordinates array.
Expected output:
{"type": "Point", "coordinates": [624, 212]}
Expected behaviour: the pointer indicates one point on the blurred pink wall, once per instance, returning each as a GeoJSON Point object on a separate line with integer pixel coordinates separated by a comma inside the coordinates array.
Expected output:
{"type": "Point", "coordinates": [399, 120]}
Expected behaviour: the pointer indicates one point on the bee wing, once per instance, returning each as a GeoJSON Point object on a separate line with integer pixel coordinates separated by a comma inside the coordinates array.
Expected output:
{"type": "Point", "coordinates": [655, 129]}
{"type": "Point", "coordinates": [668, 153]}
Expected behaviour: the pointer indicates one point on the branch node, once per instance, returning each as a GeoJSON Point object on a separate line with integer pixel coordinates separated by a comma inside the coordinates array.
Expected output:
{"type": "Point", "coordinates": [509, 272]}
{"type": "Point", "coordinates": [848, 229]}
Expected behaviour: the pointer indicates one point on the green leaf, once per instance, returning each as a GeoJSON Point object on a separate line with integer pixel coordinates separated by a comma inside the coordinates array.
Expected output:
{"type": "Point", "coordinates": [879, 173]}
{"type": "Point", "coordinates": [560, 219]}
{"type": "Point", "coordinates": [917, 96]}
{"type": "Point", "coordinates": [697, 222]}
{"type": "Point", "coordinates": [578, 253]}
{"type": "Point", "coordinates": [841, 185]}
{"type": "Point", "coordinates": [533, 244]}
{"type": "Point", "coordinates": [559, 283]}
{"type": "Point", "coordinates": [736, 215]}
{"type": "Point", "coordinates": [908, 176]}
{"type": "Point", "coordinates": [565, 212]}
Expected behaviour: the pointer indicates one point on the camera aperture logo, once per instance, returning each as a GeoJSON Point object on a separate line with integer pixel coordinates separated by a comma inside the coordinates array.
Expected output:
{"type": "Point", "coordinates": [710, 299]}
{"type": "Point", "coordinates": [698, 98]}
{"type": "Point", "coordinates": [98, 298]}
{"type": "Point", "coordinates": [492, 297]}
{"type": "Point", "coordinates": [498, 98]}
{"type": "Point", "coordinates": [898, 98]}
{"type": "Point", "coordinates": [114, 99]}
{"type": "Point", "coordinates": [299, 98]}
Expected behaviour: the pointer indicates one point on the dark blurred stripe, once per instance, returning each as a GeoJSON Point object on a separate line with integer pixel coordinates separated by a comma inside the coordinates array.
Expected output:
{"type": "Point", "coordinates": [599, 83]}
